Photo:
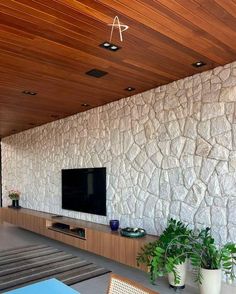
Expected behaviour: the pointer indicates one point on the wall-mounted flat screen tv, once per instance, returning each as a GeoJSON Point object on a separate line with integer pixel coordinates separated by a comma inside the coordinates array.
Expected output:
{"type": "Point", "coordinates": [84, 190]}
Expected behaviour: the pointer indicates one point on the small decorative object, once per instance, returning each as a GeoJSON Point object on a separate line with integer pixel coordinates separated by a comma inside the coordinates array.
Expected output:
{"type": "Point", "coordinates": [132, 232]}
{"type": "Point", "coordinates": [114, 224]}
{"type": "Point", "coordinates": [121, 27]}
{"type": "Point", "coordinates": [14, 195]}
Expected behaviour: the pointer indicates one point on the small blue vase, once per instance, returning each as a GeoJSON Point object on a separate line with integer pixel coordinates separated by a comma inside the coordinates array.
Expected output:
{"type": "Point", "coordinates": [114, 224]}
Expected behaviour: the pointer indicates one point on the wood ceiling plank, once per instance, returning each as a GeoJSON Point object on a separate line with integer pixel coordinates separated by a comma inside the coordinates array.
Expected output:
{"type": "Point", "coordinates": [185, 34]}
{"type": "Point", "coordinates": [47, 46]}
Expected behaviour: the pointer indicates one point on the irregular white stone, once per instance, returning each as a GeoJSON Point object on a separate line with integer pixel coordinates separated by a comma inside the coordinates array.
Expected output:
{"type": "Point", "coordinates": [170, 162]}
{"type": "Point", "coordinates": [219, 233]}
{"type": "Point", "coordinates": [177, 146]}
{"type": "Point", "coordinates": [234, 135]}
{"type": "Point", "coordinates": [175, 177]}
{"type": "Point", "coordinates": [230, 82]}
{"type": "Point", "coordinates": [153, 187]}
{"type": "Point", "coordinates": [187, 212]}
{"type": "Point", "coordinates": [173, 129]}
{"type": "Point", "coordinates": [232, 210]}
{"type": "Point", "coordinates": [169, 116]}
{"type": "Point", "coordinates": [232, 233]}
{"type": "Point", "coordinates": [229, 108]}
{"type": "Point", "coordinates": [151, 148]}
{"type": "Point", "coordinates": [218, 215]}
{"type": "Point", "coordinates": [219, 152]}
{"type": "Point", "coordinates": [165, 147]}
{"type": "Point", "coordinates": [128, 140]}
{"type": "Point", "coordinates": [222, 168]}
{"type": "Point", "coordinates": [224, 74]}
{"type": "Point", "coordinates": [164, 186]}
{"type": "Point", "coordinates": [189, 147]}
{"type": "Point", "coordinates": [170, 102]}
{"type": "Point", "coordinates": [203, 147]}
{"type": "Point", "coordinates": [220, 125]}
{"type": "Point", "coordinates": [190, 129]}
{"type": "Point", "coordinates": [203, 216]}
{"type": "Point", "coordinates": [189, 177]}
{"type": "Point", "coordinates": [207, 169]}
{"type": "Point", "coordinates": [214, 185]}
{"type": "Point", "coordinates": [157, 158]}
{"type": "Point", "coordinates": [140, 138]}
{"type": "Point", "coordinates": [133, 152]}
{"type": "Point", "coordinates": [186, 161]}
{"type": "Point", "coordinates": [149, 130]}
{"type": "Point", "coordinates": [162, 133]}
{"type": "Point", "coordinates": [179, 192]}
{"type": "Point", "coordinates": [209, 200]}
{"type": "Point", "coordinates": [199, 189]}
{"type": "Point", "coordinates": [149, 207]}
{"type": "Point", "coordinates": [210, 96]}
{"type": "Point", "coordinates": [228, 184]}
{"type": "Point", "coordinates": [220, 202]}
{"type": "Point", "coordinates": [225, 140]}
{"type": "Point", "coordinates": [228, 94]}
{"type": "Point", "coordinates": [211, 110]}
{"type": "Point", "coordinates": [148, 167]}
{"type": "Point", "coordinates": [204, 129]}
{"type": "Point", "coordinates": [175, 208]}
{"type": "Point", "coordinates": [158, 106]}
{"type": "Point", "coordinates": [232, 161]}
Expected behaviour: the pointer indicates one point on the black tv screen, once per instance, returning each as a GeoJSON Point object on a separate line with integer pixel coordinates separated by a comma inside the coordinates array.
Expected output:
{"type": "Point", "coordinates": [84, 190]}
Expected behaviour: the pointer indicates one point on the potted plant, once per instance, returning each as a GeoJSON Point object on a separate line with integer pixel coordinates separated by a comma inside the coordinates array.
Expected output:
{"type": "Point", "coordinates": [168, 255]}
{"type": "Point", "coordinates": [14, 195]}
{"type": "Point", "coordinates": [209, 260]}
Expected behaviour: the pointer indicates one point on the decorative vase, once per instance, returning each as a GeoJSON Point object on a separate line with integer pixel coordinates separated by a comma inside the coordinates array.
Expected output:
{"type": "Point", "coordinates": [114, 224]}
{"type": "Point", "coordinates": [211, 281]}
{"type": "Point", "coordinates": [181, 270]}
{"type": "Point", "coordinates": [15, 203]}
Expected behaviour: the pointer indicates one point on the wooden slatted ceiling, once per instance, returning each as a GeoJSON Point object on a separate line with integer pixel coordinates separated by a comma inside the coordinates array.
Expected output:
{"type": "Point", "coordinates": [47, 46]}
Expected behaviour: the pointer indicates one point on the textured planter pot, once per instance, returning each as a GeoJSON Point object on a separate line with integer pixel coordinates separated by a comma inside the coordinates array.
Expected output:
{"type": "Point", "coordinates": [181, 269]}
{"type": "Point", "coordinates": [211, 281]}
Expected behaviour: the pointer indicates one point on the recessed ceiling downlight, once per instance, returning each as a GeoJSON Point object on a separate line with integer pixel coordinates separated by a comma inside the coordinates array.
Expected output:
{"type": "Point", "coordinates": [110, 46]}
{"type": "Point", "coordinates": [27, 92]}
{"type": "Point", "coordinates": [129, 89]}
{"type": "Point", "coordinates": [198, 63]}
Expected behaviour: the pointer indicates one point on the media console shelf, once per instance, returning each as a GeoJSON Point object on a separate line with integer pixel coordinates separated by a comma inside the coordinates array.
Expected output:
{"type": "Point", "coordinates": [95, 238]}
{"type": "Point", "coordinates": [67, 229]}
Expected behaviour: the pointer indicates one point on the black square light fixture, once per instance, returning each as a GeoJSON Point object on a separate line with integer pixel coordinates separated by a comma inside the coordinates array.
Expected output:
{"type": "Point", "coordinates": [198, 63]}
{"type": "Point", "coordinates": [110, 46]}
{"type": "Point", "coordinates": [96, 73]}
{"type": "Point", "coordinates": [85, 105]}
{"type": "Point", "coordinates": [129, 89]}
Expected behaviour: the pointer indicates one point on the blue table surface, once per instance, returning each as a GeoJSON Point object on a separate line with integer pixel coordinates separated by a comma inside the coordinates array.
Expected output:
{"type": "Point", "coordinates": [51, 286]}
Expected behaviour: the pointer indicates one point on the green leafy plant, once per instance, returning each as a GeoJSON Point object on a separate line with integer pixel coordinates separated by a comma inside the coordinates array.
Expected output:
{"type": "Point", "coordinates": [14, 194]}
{"type": "Point", "coordinates": [163, 255]}
{"type": "Point", "coordinates": [206, 254]}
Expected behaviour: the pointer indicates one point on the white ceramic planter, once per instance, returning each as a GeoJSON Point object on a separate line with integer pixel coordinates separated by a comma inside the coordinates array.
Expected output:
{"type": "Point", "coordinates": [181, 269]}
{"type": "Point", "coordinates": [211, 281]}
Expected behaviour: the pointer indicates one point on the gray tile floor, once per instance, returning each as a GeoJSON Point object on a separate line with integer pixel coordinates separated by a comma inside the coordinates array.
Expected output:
{"type": "Point", "coordinates": [11, 236]}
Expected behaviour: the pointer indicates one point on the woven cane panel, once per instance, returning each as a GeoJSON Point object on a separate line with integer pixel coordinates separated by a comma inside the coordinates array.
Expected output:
{"type": "Point", "coordinates": [118, 287]}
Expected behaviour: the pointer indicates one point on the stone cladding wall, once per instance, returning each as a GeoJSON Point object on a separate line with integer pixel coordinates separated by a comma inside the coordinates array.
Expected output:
{"type": "Point", "coordinates": [169, 152]}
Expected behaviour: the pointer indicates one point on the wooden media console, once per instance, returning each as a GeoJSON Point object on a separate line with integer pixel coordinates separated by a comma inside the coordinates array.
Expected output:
{"type": "Point", "coordinates": [95, 238]}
